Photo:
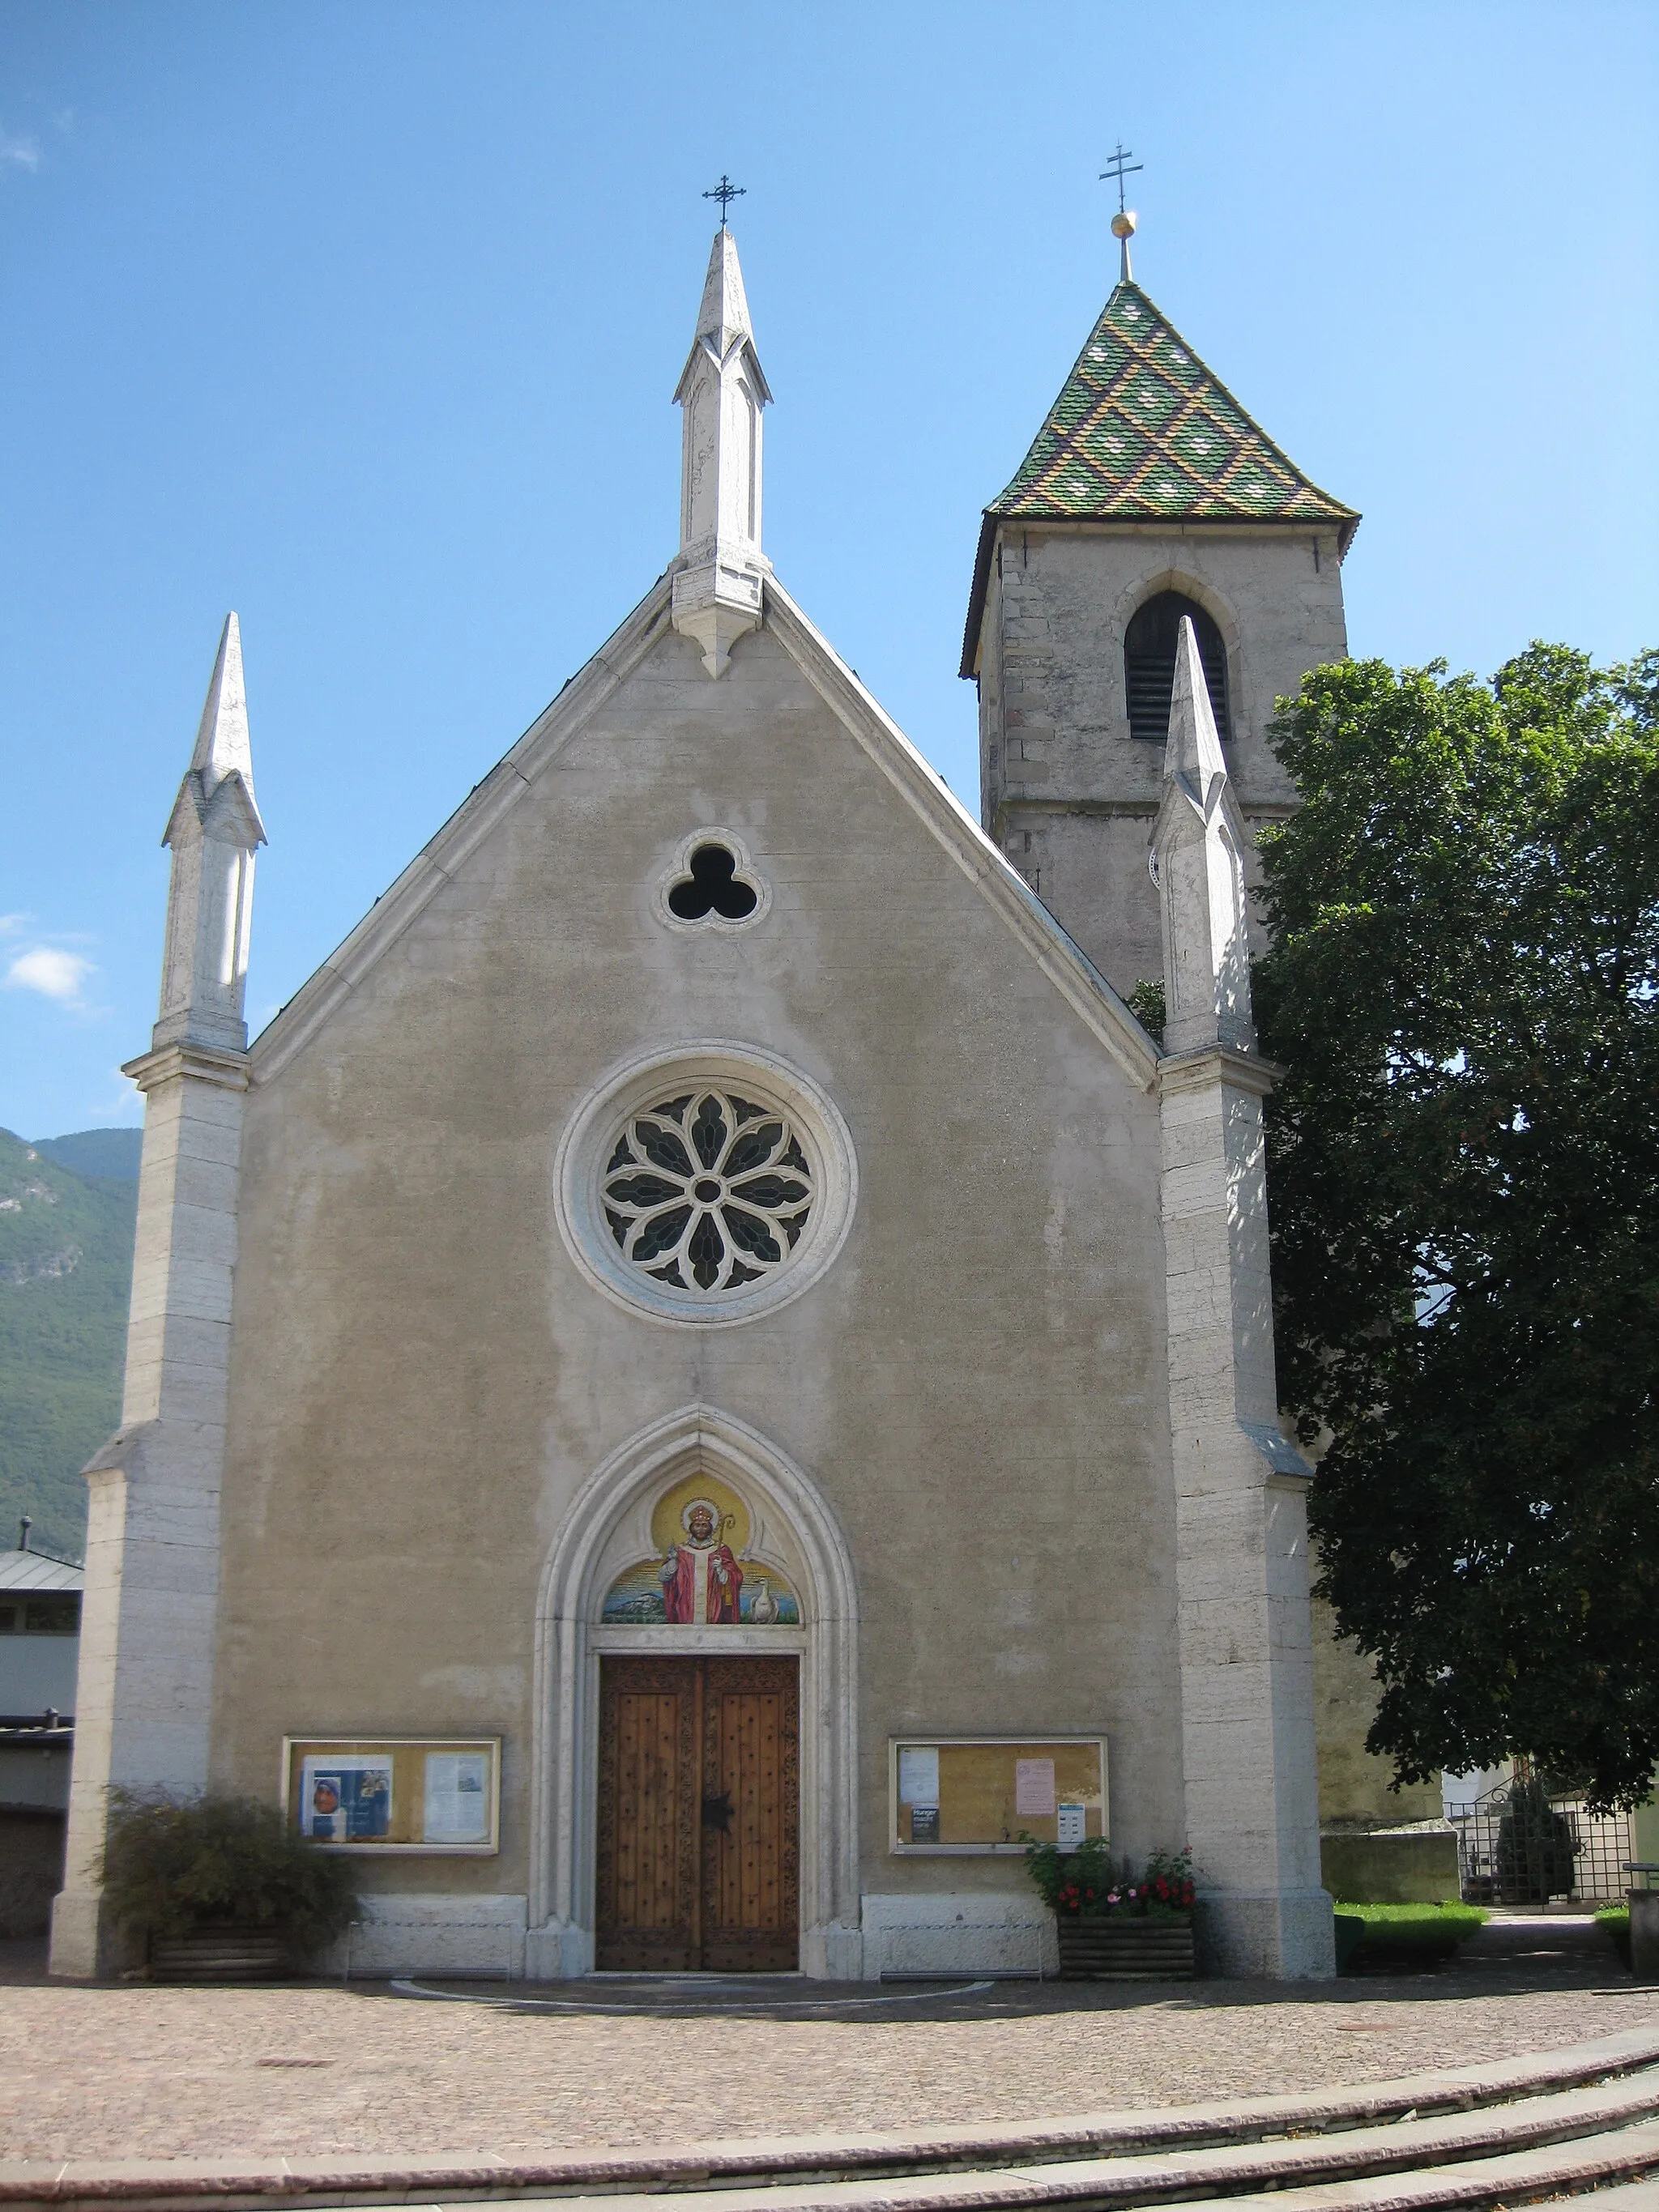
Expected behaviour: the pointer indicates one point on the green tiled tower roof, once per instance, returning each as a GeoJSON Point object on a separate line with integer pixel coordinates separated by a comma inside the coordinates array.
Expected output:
{"type": "Point", "coordinates": [1142, 432]}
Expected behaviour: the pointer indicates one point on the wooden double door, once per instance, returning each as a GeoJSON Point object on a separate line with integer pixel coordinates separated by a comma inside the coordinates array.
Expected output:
{"type": "Point", "coordinates": [699, 1815]}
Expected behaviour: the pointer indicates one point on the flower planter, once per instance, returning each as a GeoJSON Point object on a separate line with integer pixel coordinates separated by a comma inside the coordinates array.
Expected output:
{"type": "Point", "coordinates": [1126, 1950]}
{"type": "Point", "coordinates": [218, 1954]}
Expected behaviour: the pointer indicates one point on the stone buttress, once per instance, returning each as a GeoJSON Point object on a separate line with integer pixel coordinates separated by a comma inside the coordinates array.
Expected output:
{"type": "Point", "coordinates": [147, 1638]}
{"type": "Point", "coordinates": [1241, 1545]}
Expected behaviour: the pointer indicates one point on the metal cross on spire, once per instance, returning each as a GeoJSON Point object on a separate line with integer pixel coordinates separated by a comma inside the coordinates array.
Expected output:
{"type": "Point", "coordinates": [1121, 164]}
{"type": "Point", "coordinates": [726, 191]}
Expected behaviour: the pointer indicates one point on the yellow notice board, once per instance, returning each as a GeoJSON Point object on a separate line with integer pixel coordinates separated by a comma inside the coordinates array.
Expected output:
{"type": "Point", "coordinates": [395, 1793]}
{"type": "Point", "coordinates": [982, 1793]}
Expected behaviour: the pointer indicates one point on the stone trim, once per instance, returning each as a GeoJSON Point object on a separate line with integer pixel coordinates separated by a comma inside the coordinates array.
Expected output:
{"type": "Point", "coordinates": [712, 925]}
{"type": "Point", "coordinates": [208, 1063]}
{"type": "Point", "coordinates": [1079, 982]}
{"type": "Point", "coordinates": [580, 1158]}
{"type": "Point", "coordinates": [564, 1792]}
{"type": "Point", "coordinates": [1213, 1064]}
{"type": "Point", "coordinates": [443, 855]}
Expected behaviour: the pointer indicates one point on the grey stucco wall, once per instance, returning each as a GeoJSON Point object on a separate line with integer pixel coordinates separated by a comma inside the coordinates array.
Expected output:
{"type": "Point", "coordinates": [422, 1380]}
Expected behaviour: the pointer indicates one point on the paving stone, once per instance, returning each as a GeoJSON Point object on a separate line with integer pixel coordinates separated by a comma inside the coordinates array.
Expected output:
{"type": "Point", "coordinates": [102, 2072]}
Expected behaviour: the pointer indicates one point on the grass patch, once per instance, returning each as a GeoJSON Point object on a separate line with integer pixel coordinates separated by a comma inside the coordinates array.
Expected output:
{"type": "Point", "coordinates": [1394, 1936]}
{"type": "Point", "coordinates": [1614, 1921]}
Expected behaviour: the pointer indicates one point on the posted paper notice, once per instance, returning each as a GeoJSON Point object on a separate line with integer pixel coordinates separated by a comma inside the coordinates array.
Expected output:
{"type": "Point", "coordinates": [457, 1809]}
{"type": "Point", "coordinates": [1071, 1825]}
{"type": "Point", "coordinates": [918, 1776]}
{"type": "Point", "coordinates": [1034, 1788]}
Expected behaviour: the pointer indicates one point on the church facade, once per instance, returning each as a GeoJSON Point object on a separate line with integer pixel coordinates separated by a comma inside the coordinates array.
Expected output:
{"type": "Point", "coordinates": [706, 1377]}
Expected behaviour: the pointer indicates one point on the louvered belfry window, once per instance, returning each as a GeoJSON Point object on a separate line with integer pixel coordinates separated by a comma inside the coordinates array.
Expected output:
{"type": "Point", "coordinates": [1149, 659]}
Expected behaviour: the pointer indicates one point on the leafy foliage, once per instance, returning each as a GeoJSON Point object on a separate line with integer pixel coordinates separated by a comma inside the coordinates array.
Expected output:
{"type": "Point", "coordinates": [1464, 1170]}
{"type": "Point", "coordinates": [65, 1277]}
{"type": "Point", "coordinates": [1146, 1002]}
{"type": "Point", "coordinates": [172, 1865]}
{"type": "Point", "coordinates": [1083, 1874]}
{"type": "Point", "coordinates": [1088, 1884]}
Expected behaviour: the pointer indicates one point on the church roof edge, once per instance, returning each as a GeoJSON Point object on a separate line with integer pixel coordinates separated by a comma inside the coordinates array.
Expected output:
{"type": "Point", "coordinates": [1067, 966]}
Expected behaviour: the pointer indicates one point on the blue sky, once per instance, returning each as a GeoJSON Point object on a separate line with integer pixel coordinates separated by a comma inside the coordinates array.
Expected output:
{"type": "Point", "coordinates": [363, 317]}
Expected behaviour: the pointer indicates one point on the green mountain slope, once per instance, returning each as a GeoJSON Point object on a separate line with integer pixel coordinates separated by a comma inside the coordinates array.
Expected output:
{"type": "Point", "coordinates": [65, 1277]}
{"type": "Point", "coordinates": [112, 1154]}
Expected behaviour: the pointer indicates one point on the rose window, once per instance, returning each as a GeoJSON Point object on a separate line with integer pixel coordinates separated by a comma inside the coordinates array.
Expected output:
{"type": "Point", "coordinates": [708, 1190]}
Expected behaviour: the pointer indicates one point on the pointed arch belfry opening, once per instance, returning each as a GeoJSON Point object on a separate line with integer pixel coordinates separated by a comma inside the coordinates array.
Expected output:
{"type": "Point", "coordinates": [792, 1526]}
{"type": "Point", "coordinates": [1149, 664]}
{"type": "Point", "coordinates": [1145, 621]}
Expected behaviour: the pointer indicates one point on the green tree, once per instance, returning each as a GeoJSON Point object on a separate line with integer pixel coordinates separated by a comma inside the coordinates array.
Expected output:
{"type": "Point", "coordinates": [1464, 1173]}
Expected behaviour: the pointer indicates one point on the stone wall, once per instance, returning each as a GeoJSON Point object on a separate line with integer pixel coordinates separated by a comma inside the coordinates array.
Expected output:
{"type": "Point", "coordinates": [423, 1380]}
{"type": "Point", "coordinates": [1065, 792]}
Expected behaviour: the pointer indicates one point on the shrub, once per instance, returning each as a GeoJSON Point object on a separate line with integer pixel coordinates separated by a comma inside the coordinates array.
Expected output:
{"type": "Point", "coordinates": [1536, 1846]}
{"type": "Point", "coordinates": [1086, 1884]}
{"type": "Point", "coordinates": [1401, 1935]}
{"type": "Point", "coordinates": [174, 1865]}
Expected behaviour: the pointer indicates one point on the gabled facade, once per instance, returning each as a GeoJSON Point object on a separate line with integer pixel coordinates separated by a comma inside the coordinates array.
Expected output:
{"type": "Point", "coordinates": [705, 1372]}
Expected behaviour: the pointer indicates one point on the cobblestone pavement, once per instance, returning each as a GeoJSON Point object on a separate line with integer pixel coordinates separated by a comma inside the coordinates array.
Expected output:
{"type": "Point", "coordinates": [310, 2067]}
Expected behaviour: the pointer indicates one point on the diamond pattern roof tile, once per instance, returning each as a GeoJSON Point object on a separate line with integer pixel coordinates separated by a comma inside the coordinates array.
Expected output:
{"type": "Point", "coordinates": [1143, 432]}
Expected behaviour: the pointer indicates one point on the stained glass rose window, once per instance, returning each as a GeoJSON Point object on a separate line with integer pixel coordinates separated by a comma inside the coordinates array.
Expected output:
{"type": "Point", "coordinates": [705, 1185]}
{"type": "Point", "coordinates": [708, 1190]}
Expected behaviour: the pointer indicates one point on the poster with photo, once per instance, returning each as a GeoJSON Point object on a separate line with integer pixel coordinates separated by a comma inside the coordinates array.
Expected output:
{"type": "Point", "coordinates": [346, 1799]}
{"type": "Point", "coordinates": [396, 1793]}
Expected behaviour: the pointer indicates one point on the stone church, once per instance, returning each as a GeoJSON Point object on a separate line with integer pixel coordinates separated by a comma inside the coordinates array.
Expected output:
{"type": "Point", "coordinates": [705, 1379]}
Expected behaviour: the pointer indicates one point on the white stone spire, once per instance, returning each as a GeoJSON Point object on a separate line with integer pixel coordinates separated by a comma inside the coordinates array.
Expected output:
{"type": "Point", "coordinates": [1199, 842]}
{"type": "Point", "coordinates": [1246, 1695]}
{"type": "Point", "coordinates": [145, 1686]}
{"type": "Point", "coordinates": [213, 831]}
{"type": "Point", "coordinates": [719, 571]}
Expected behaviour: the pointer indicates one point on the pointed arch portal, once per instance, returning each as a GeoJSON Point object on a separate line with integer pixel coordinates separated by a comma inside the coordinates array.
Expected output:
{"type": "Point", "coordinates": [790, 1530]}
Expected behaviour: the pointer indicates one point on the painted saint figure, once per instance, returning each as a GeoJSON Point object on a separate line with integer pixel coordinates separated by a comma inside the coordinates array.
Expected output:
{"type": "Point", "coordinates": [701, 1579]}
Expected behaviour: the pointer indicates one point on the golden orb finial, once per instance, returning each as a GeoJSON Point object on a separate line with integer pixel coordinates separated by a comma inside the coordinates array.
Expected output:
{"type": "Point", "coordinates": [1123, 223]}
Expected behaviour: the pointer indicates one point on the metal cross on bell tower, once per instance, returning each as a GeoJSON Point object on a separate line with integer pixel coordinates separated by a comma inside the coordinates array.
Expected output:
{"type": "Point", "coordinates": [726, 191]}
{"type": "Point", "coordinates": [1122, 164]}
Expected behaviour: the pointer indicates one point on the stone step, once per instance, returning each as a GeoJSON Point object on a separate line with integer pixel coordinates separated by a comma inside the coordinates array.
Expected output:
{"type": "Point", "coordinates": [1618, 2123]}
{"type": "Point", "coordinates": [1562, 2173]}
{"type": "Point", "coordinates": [1333, 2138]}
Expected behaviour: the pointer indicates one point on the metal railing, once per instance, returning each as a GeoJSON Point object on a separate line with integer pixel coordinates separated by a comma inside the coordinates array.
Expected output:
{"type": "Point", "coordinates": [1521, 1844]}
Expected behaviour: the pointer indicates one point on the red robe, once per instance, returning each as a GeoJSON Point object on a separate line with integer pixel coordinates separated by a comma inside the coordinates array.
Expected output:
{"type": "Point", "coordinates": [679, 1593]}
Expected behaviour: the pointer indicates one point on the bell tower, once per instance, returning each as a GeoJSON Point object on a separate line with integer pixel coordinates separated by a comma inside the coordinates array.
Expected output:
{"type": "Point", "coordinates": [1149, 497]}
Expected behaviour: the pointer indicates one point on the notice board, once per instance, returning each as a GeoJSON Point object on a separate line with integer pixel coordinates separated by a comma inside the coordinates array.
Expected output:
{"type": "Point", "coordinates": [985, 1794]}
{"type": "Point", "coordinates": [396, 1793]}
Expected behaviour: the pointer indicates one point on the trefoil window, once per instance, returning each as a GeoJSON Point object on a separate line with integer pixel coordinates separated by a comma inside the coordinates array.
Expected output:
{"type": "Point", "coordinates": [712, 887]}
